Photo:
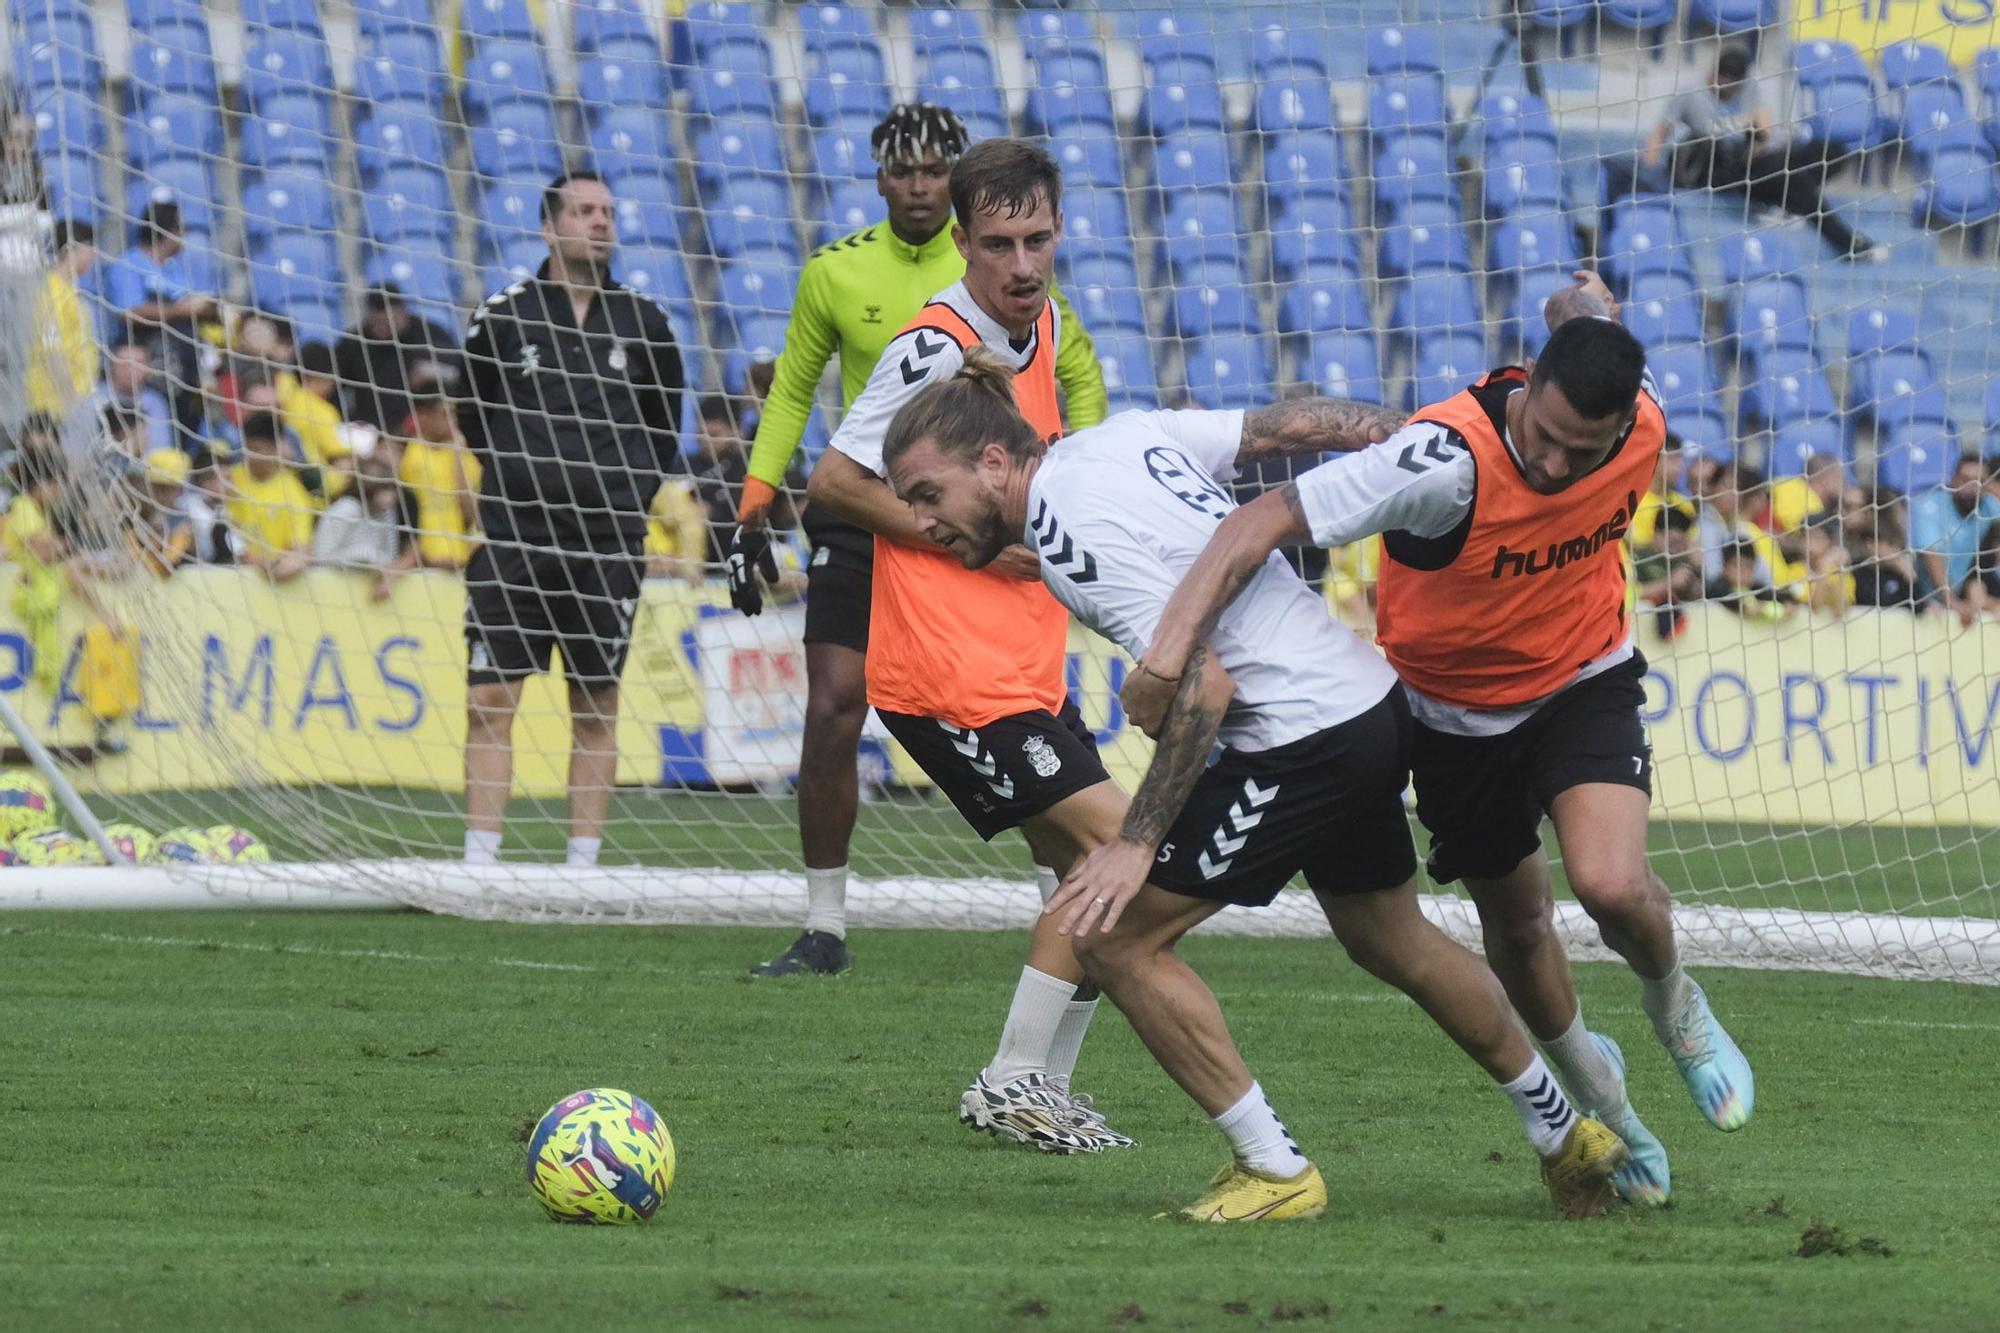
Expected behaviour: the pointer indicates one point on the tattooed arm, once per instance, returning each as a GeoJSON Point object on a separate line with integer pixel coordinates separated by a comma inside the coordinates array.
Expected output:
{"type": "Point", "coordinates": [1100, 884]}
{"type": "Point", "coordinates": [1239, 548]}
{"type": "Point", "coordinates": [1586, 297]}
{"type": "Point", "coordinates": [1313, 426]}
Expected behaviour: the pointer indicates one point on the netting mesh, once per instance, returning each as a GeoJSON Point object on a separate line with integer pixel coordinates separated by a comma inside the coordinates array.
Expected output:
{"type": "Point", "coordinates": [1369, 200]}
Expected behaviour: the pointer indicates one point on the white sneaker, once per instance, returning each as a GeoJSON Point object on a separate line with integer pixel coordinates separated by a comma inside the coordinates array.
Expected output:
{"type": "Point", "coordinates": [1031, 1110]}
{"type": "Point", "coordinates": [1085, 1110]}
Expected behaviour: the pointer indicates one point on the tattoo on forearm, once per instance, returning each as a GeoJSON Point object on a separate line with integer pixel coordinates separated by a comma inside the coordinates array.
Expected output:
{"type": "Point", "coordinates": [1314, 425]}
{"type": "Point", "coordinates": [1573, 303]}
{"type": "Point", "coordinates": [1178, 759]}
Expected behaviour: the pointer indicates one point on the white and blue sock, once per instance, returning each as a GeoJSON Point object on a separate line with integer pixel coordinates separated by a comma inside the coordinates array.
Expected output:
{"type": "Point", "coordinates": [1545, 1111]}
{"type": "Point", "coordinates": [1258, 1138]}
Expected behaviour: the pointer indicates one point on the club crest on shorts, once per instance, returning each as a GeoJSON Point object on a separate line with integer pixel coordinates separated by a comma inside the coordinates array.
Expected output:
{"type": "Point", "coordinates": [617, 358]}
{"type": "Point", "coordinates": [1043, 756]}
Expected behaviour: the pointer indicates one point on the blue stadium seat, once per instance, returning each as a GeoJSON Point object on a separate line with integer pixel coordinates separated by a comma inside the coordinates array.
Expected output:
{"type": "Point", "coordinates": [1642, 15]}
{"type": "Point", "coordinates": [1325, 209]}
{"type": "Point", "coordinates": [1986, 80]}
{"type": "Point", "coordinates": [1958, 190]}
{"type": "Point", "coordinates": [1204, 311]}
{"type": "Point", "coordinates": [1198, 227]}
{"type": "Point", "coordinates": [428, 278]}
{"type": "Point", "coordinates": [1419, 246]}
{"type": "Point", "coordinates": [1880, 327]}
{"type": "Point", "coordinates": [52, 65]}
{"type": "Point", "coordinates": [1069, 108]}
{"type": "Point", "coordinates": [497, 20]}
{"type": "Point", "coordinates": [631, 140]}
{"type": "Point", "coordinates": [1445, 365]}
{"type": "Point", "coordinates": [828, 26]}
{"type": "Point", "coordinates": [1096, 219]}
{"type": "Point", "coordinates": [1126, 361]}
{"type": "Point", "coordinates": [615, 27]}
{"type": "Point", "coordinates": [516, 255]}
{"type": "Point", "coordinates": [1311, 163]}
{"type": "Point", "coordinates": [1705, 432]}
{"type": "Point", "coordinates": [66, 28]}
{"type": "Point", "coordinates": [843, 100]}
{"type": "Point", "coordinates": [1664, 308]}
{"type": "Point", "coordinates": [1058, 61]}
{"type": "Point", "coordinates": [405, 63]}
{"type": "Point", "coordinates": [290, 132]}
{"type": "Point", "coordinates": [1771, 312]}
{"type": "Point", "coordinates": [1935, 118]}
{"type": "Point", "coordinates": [713, 24]}
{"type": "Point", "coordinates": [720, 90]}
{"type": "Point", "coordinates": [736, 205]}
{"type": "Point", "coordinates": [73, 185]}
{"type": "Point", "coordinates": [1682, 375]}
{"type": "Point", "coordinates": [149, 15]}
{"type": "Point", "coordinates": [1531, 241]}
{"type": "Point", "coordinates": [1276, 48]}
{"type": "Point", "coordinates": [850, 206]}
{"type": "Point", "coordinates": [1097, 266]}
{"type": "Point", "coordinates": [1917, 455]}
{"type": "Point", "coordinates": [1344, 365]}
{"type": "Point", "coordinates": [661, 273]}
{"type": "Point", "coordinates": [1839, 93]}
{"type": "Point", "coordinates": [379, 16]}
{"type": "Point", "coordinates": [171, 127]}
{"type": "Point", "coordinates": [1515, 115]}
{"type": "Point", "coordinates": [1295, 98]}
{"type": "Point", "coordinates": [1749, 255]}
{"type": "Point", "coordinates": [186, 181]}
{"type": "Point", "coordinates": [295, 266]}
{"type": "Point", "coordinates": [1886, 378]}
{"type": "Point", "coordinates": [503, 72]}
{"type": "Point", "coordinates": [1992, 417]}
{"type": "Point", "coordinates": [1401, 107]}
{"type": "Point", "coordinates": [845, 155]}
{"type": "Point", "coordinates": [1645, 234]}
{"type": "Point", "coordinates": [286, 201]}
{"type": "Point", "coordinates": [1782, 385]}
{"type": "Point", "coordinates": [1527, 330]}
{"type": "Point", "coordinates": [1908, 64]}
{"type": "Point", "coordinates": [1177, 36]}
{"type": "Point", "coordinates": [1325, 305]}
{"type": "Point", "coordinates": [1733, 16]}
{"type": "Point", "coordinates": [1068, 25]}
{"type": "Point", "coordinates": [1410, 170]}
{"type": "Point", "coordinates": [393, 137]}
{"type": "Point", "coordinates": [287, 64]}
{"type": "Point", "coordinates": [284, 15]}
{"type": "Point", "coordinates": [1438, 302]}
{"type": "Point", "coordinates": [963, 78]}
{"type": "Point", "coordinates": [649, 210]}
{"type": "Point", "coordinates": [1521, 175]}
{"type": "Point", "coordinates": [1303, 246]}
{"type": "Point", "coordinates": [1193, 160]}
{"type": "Point", "coordinates": [1395, 50]}
{"type": "Point", "coordinates": [409, 201]}
{"type": "Point", "coordinates": [158, 66]}
{"type": "Point", "coordinates": [621, 81]}
{"type": "Point", "coordinates": [1229, 370]}
{"type": "Point", "coordinates": [1092, 160]}
{"type": "Point", "coordinates": [1104, 308]}
{"type": "Point", "coordinates": [518, 139]}
{"type": "Point", "coordinates": [1797, 441]}
{"type": "Point", "coordinates": [1171, 107]}
{"type": "Point", "coordinates": [736, 148]}
{"type": "Point", "coordinates": [744, 228]}
{"type": "Point", "coordinates": [749, 287]}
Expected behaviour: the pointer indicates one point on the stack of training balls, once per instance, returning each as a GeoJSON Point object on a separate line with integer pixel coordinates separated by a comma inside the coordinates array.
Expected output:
{"type": "Point", "coordinates": [30, 836]}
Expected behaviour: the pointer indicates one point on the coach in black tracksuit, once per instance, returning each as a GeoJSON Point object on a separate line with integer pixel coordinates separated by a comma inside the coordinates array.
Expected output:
{"type": "Point", "coordinates": [572, 402]}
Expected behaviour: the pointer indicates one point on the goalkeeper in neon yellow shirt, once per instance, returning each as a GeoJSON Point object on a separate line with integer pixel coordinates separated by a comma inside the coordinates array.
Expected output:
{"type": "Point", "coordinates": [854, 296]}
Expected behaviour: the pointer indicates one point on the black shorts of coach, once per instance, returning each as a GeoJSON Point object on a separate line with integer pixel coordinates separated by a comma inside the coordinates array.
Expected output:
{"type": "Point", "coordinates": [1329, 806]}
{"type": "Point", "coordinates": [1482, 797]}
{"type": "Point", "coordinates": [1003, 774]}
{"type": "Point", "coordinates": [522, 603]}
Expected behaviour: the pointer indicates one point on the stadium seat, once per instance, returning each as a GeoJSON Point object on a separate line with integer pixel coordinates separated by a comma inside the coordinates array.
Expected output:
{"type": "Point", "coordinates": [285, 201]}
{"type": "Point", "coordinates": [1881, 327]}
{"type": "Point", "coordinates": [842, 101]}
{"type": "Point", "coordinates": [186, 181]}
{"type": "Point", "coordinates": [717, 23]}
{"type": "Point", "coordinates": [1228, 370]}
{"type": "Point", "coordinates": [1126, 362]}
{"type": "Point", "coordinates": [292, 132]}
{"type": "Point", "coordinates": [1749, 255]}
{"type": "Point", "coordinates": [743, 228]}
{"type": "Point", "coordinates": [1444, 365]}
{"type": "Point", "coordinates": [518, 139]}
{"type": "Point", "coordinates": [1305, 163]}
{"type": "Point", "coordinates": [1091, 160]}
{"type": "Point", "coordinates": [73, 185]}
{"type": "Point", "coordinates": [1325, 305]}
{"type": "Point", "coordinates": [1876, 383]}
{"type": "Point", "coordinates": [1068, 25]}
{"type": "Point", "coordinates": [295, 266]}
{"type": "Point", "coordinates": [286, 15]}
{"type": "Point", "coordinates": [649, 210]}
{"type": "Point", "coordinates": [850, 206]}
{"type": "Point", "coordinates": [737, 199]}
{"type": "Point", "coordinates": [409, 201]}
{"type": "Point", "coordinates": [719, 91]}
{"type": "Point", "coordinates": [1705, 432]}
{"type": "Point", "coordinates": [63, 26]}
{"type": "Point", "coordinates": [1992, 417]}
{"type": "Point", "coordinates": [1177, 36]}
{"type": "Point", "coordinates": [1394, 50]}
{"type": "Point", "coordinates": [1200, 312]}
{"type": "Point", "coordinates": [1199, 226]}
{"type": "Point", "coordinates": [1527, 329]}
{"type": "Point", "coordinates": [1435, 303]}
{"type": "Point", "coordinates": [1645, 234]}
{"type": "Point", "coordinates": [962, 77]}
{"type": "Point", "coordinates": [1682, 375]}
{"type": "Point", "coordinates": [428, 277]}
{"type": "Point", "coordinates": [1519, 176]}
{"type": "Point", "coordinates": [621, 81]}
{"type": "Point", "coordinates": [149, 15]}
{"type": "Point", "coordinates": [404, 63]}
{"type": "Point", "coordinates": [1404, 248]}
{"type": "Point", "coordinates": [1664, 308]}
{"type": "Point", "coordinates": [1839, 93]}
{"type": "Point", "coordinates": [748, 287]}
{"type": "Point", "coordinates": [1771, 312]}
{"type": "Point", "coordinates": [658, 271]}
{"type": "Point", "coordinates": [391, 138]}
{"type": "Point", "coordinates": [159, 65]}
{"type": "Point", "coordinates": [1643, 16]}
{"type": "Point", "coordinates": [844, 155]}
{"type": "Point", "coordinates": [497, 20]}
{"type": "Point", "coordinates": [1515, 115]}
{"type": "Point", "coordinates": [1734, 16]}
{"type": "Point", "coordinates": [1295, 98]}
{"type": "Point", "coordinates": [1934, 118]}
{"type": "Point", "coordinates": [1101, 307]}
{"type": "Point", "coordinates": [1783, 385]}
{"type": "Point", "coordinates": [1281, 48]}
{"type": "Point", "coordinates": [1299, 245]}
{"type": "Point", "coordinates": [1795, 444]}
{"type": "Point", "coordinates": [52, 65]}
{"type": "Point", "coordinates": [737, 148]}
{"type": "Point", "coordinates": [503, 72]}
{"type": "Point", "coordinates": [1169, 108]}
{"type": "Point", "coordinates": [937, 25]}
{"type": "Point", "coordinates": [827, 27]}
{"type": "Point", "coordinates": [1345, 365]}
{"type": "Point", "coordinates": [1916, 455]}
{"type": "Point", "coordinates": [1410, 170]}
{"type": "Point", "coordinates": [1531, 241]}
{"type": "Point", "coordinates": [1067, 108]}
{"type": "Point", "coordinates": [631, 140]}
{"type": "Point", "coordinates": [1986, 81]}
{"type": "Point", "coordinates": [1958, 190]}
{"type": "Point", "coordinates": [620, 28]}
{"type": "Point", "coordinates": [1096, 218]}
{"type": "Point", "coordinates": [1098, 267]}
{"type": "Point", "coordinates": [171, 127]}
{"type": "Point", "coordinates": [1193, 160]}
{"type": "Point", "coordinates": [381, 16]}
{"type": "Point", "coordinates": [1401, 107]}
{"type": "Point", "coordinates": [287, 64]}
{"type": "Point", "coordinates": [1909, 64]}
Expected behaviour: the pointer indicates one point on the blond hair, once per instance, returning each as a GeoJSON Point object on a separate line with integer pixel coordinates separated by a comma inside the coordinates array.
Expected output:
{"type": "Point", "coordinates": [962, 415]}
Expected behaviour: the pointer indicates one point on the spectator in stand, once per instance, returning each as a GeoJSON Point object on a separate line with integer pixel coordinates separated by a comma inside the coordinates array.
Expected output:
{"type": "Point", "coordinates": [441, 478]}
{"type": "Point", "coordinates": [719, 467]}
{"type": "Point", "coordinates": [63, 368]}
{"type": "Point", "coordinates": [128, 385]}
{"type": "Point", "coordinates": [205, 502]}
{"type": "Point", "coordinates": [1949, 528]}
{"type": "Point", "coordinates": [1729, 493]}
{"type": "Point", "coordinates": [270, 510]}
{"type": "Point", "coordinates": [1826, 583]}
{"type": "Point", "coordinates": [1647, 537]}
{"type": "Point", "coordinates": [153, 289]}
{"type": "Point", "coordinates": [676, 533]}
{"type": "Point", "coordinates": [159, 534]}
{"type": "Point", "coordinates": [1819, 489]}
{"type": "Point", "coordinates": [1742, 584]}
{"type": "Point", "coordinates": [368, 529]}
{"type": "Point", "coordinates": [312, 402]}
{"type": "Point", "coordinates": [1721, 137]}
{"type": "Point", "coordinates": [387, 351]}
{"type": "Point", "coordinates": [1885, 571]}
{"type": "Point", "coordinates": [127, 441]}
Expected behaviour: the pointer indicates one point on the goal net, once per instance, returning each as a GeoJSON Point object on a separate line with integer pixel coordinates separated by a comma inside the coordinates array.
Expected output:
{"type": "Point", "coordinates": [240, 520]}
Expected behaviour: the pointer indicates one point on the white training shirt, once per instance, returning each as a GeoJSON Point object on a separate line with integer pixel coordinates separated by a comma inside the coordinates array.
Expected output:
{"type": "Point", "coordinates": [917, 358]}
{"type": "Point", "coordinates": [1118, 514]}
{"type": "Point", "coordinates": [1426, 491]}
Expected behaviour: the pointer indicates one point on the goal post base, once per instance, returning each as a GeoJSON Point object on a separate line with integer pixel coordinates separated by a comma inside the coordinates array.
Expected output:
{"type": "Point", "coordinates": [1915, 947]}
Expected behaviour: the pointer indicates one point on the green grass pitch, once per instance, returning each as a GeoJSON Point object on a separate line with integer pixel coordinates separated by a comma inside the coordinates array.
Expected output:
{"type": "Point", "coordinates": [254, 1120]}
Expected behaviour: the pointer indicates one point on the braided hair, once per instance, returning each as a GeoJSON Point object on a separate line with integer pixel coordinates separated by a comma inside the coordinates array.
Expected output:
{"type": "Point", "coordinates": [912, 129]}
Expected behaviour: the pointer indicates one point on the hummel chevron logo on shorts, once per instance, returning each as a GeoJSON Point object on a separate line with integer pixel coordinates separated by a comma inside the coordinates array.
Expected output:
{"type": "Point", "coordinates": [1059, 551]}
{"type": "Point", "coordinates": [1245, 813]}
{"type": "Point", "coordinates": [966, 741]}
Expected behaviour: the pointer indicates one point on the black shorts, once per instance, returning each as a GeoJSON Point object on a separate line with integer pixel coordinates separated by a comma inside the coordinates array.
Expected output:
{"type": "Point", "coordinates": [1330, 806]}
{"type": "Point", "coordinates": [520, 603]}
{"type": "Point", "coordinates": [839, 592]}
{"type": "Point", "coordinates": [1007, 771]}
{"type": "Point", "coordinates": [1482, 797]}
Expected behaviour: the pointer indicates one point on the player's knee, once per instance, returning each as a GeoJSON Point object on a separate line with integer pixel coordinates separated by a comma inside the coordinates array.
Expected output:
{"type": "Point", "coordinates": [836, 710]}
{"type": "Point", "coordinates": [1518, 927]}
{"type": "Point", "coordinates": [1611, 887]}
{"type": "Point", "coordinates": [1109, 953]}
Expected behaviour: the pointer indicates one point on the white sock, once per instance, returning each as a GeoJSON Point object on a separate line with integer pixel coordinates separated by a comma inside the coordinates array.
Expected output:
{"type": "Point", "coordinates": [1047, 882]}
{"type": "Point", "coordinates": [583, 851]}
{"type": "Point", "coordinates": [1664, 998]}
{"type": "Point", "coordinates": [826, 900]}
{"type": "Point", "coordinates": [1544, 1110]}
{"type": "Point", "coordinates": [1258, 1138]}
{"type": "Point", "coordinates": [482, 848]}
{"type": "Point", "coordinates": [1040, 1002]}
{"type": "Point", "coordinates": [1590, 1078]}
{"type": "Point", "coordinates": [1068, 1043]}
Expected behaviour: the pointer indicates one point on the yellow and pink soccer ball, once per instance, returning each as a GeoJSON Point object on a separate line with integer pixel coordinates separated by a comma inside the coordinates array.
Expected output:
{"type": "Point", "coordinates": [57, 847]}
{"type": "Point", "coordinates": [135, 844]}
{"type": "Point", "coordinates": [600, 1155]}
{"type": "Point", "coordinates": [230, 844]}
{"type": "Point", "coordinates": [26, 804]}
{"type": "Point", "coordinates": [183, 846]}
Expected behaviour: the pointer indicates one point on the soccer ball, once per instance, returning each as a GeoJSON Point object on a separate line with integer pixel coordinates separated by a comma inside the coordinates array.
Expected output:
{"type": "Point", "coordinates": [226, 842]}
{"type": "Point", "coordinates": [26, 805]}
{"type": "Point", "coordinates": [183, 846]}
{"type": "Point", "coordinates": [136, 845]}
{"type": "Point", "coordinates": [600, 1155]}
{"type": "Point", "coordinates": [57, 847]}
{"type": "Point", "coordinates": [8, 856]}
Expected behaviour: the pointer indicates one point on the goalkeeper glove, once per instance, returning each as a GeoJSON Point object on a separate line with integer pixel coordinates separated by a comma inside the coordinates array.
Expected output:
{"type": "Point", "coordinates": [750, 555]}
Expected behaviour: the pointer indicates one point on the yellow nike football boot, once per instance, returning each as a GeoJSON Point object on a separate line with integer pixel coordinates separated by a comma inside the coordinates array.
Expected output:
{"type": "Point", "coordinates": [1579, 1173]}
{"type": "Point", "coordinates": [1239, 1194]}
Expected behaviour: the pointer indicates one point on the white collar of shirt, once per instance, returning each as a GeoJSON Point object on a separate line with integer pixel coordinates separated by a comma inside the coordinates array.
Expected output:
{"type": "Point", "coordinates": [990, 332]}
